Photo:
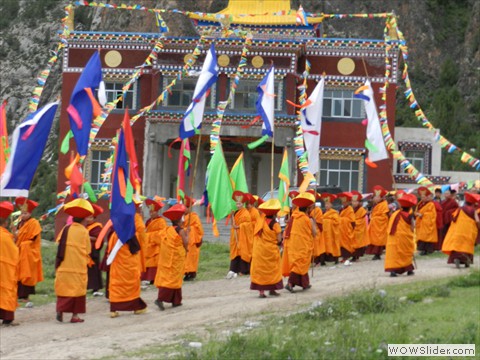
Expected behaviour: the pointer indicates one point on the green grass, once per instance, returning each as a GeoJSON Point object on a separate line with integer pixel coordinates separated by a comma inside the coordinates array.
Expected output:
{"type": "Point", "coordinates": [214, 261]}
{"type": "Point", "coordinates": [360, 325]}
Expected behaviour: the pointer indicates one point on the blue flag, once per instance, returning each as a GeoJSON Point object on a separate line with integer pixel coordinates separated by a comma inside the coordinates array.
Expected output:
{"type": "Point", "coordinates": [122, 209]}
{"type": "Point", "coordinates": [28, 143]}
{"type": "Point", "coordinates": [81, 108]}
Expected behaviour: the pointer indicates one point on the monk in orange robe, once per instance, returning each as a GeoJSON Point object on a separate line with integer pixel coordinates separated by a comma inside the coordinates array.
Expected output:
{"type": "Point", "coordinates": [400, 240]}
{"type": "Point", "coordinates": [72, 261]}
{"type": "Point", "coordinates": [8, 267]}
{"type": "Point", "coordinates": [95, 281]}
{"type": "Point", "coordinates": [266, 271]}
{"type": "Point", "coordinates": [124, 274]}
{"type": "Point", "coordinates": [240, 235]}
{"type": "Point", "coordinates": [171, 264]}
{"type": "Point", "coordinates": [360, 231]}
{"type": "Point", "coordinates": [377, 229]}
{"type": "Point", "coordinates": [155, 233]}
{"type": "Point", "coordinates": [254, 216]}
{"type": "Point", "coordinates": [460, 240]}
{"type": "Point", "coordinates": [331, 231]}
{"type": "Point", "coordinates": [140, 233]}
{"type": "Point", "coordinates": [318, 242]}
{"type": "Point", "coordinates": [195, 235]}
{"type": "Point", "coordinates": [347, 226]}
{"type": "Point", "coordinates": [426, 222]}
{"type": "Point", "coordinates": [29, 242]}
{"type": "Point", "coordinates": [300, 233]}
{"type": "Point", "coordinates": [285, 265]}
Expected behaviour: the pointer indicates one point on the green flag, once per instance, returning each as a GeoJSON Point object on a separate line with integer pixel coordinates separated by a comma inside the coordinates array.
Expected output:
{"type": "Point", "coordinates": [284, 176]}
{"type": "Point", "coordinates": [238, 177]}
{"type": "Point", "coordinates": [219, 186]}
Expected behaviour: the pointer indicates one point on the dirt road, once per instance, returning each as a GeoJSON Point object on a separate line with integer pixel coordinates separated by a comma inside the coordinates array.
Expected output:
{"type": "Point", "coordinates": [218, 304]}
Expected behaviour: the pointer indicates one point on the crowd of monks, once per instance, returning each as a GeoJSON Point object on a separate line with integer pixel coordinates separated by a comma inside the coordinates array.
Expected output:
{"type": "Point", "coordinates": [395, 224]}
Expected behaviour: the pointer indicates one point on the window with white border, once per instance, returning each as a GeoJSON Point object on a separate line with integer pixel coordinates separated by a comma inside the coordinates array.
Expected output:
{"type": "Point", "coordinates": [342, 104]}
{"type": "Point", "coordinates": [342, 173]}
{"type": "Point", "coordinates": [113, 90]}
{"type": "Point", "coordinates": [246, 95]}
{"type": "Point", "coordinates": [181, 95]}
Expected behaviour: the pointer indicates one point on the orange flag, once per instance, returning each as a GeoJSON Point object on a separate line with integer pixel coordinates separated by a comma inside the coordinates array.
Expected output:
{"type": "Point", "coordinates": [4, 149]}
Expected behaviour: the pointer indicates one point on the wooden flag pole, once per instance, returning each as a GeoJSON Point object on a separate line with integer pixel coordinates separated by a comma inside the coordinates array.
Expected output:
{"type": "Point", "coordinates": [271, 163]}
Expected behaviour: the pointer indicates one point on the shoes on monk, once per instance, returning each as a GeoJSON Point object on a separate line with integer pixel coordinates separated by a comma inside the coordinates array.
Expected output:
{"type": "Point", "coordinates": [393, 274]}
{"type": "Point", "coordinates": [323, 263]}
{"type": "Point", "coordinates": [467, 262]}
{"type": "Point", "coordinates": [187, 278]}
{"type": "Point", "coordinates": [376, 257]}
{"type": "Point", "coordinates": [262, 295]}
{"type": "Point", "coordinates": [457, 263]}
{"type": "Point", "coordinates": [273, 293]}
{"type": "Point", "coordinates": [231, 275]}
{"type": "Point", "coordinates": [141, 311]}
{"type": "Point", "coordinates": [176, 305]}
{"type": "Point", "coordinates": [76, 320]}
{"type": "Point", "coordinates": [97, 293]}
{"type": "Point", "coordinates": [159, 304]}
{"type": "Point", "coordinates": [114, 314]}
{"type": "Point", "coordinates": [289, 287]}
{"type": "Point", "coordinates": [410, 273]}
{"type": "Point", "coordinates": [59, 317]}
{"type": "Point", "coordinates": [347, 263]}
{"type": "Point", "coordinates": [145, 282]}
{"type": "Point", "coordinates": [309, 286]}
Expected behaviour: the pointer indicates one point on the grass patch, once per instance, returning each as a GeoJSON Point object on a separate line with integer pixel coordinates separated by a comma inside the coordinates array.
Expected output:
{"type": "Point", "coordinates": [214, 261]}
{"type": "Point", "coordinates": [360, 325]}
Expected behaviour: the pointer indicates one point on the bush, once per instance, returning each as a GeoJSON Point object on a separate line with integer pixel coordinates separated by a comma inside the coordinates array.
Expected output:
{"type": "Point", "coordinates": [470, 280]}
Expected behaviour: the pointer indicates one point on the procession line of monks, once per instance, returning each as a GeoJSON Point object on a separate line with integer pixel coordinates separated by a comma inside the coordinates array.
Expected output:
{"type": "Point", "coordinates": [168, 255]}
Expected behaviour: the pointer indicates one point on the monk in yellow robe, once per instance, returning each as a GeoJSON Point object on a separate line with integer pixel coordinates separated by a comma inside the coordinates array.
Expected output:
{"type": "Point", "coordinates": [72, 261]}
{"type": "Point", "coordinates": [459, 243]}
{"type": "Point", "coordinates": [195, 235]}
{"type": "Point", "coordinates": [377, 228]}
{"type": "Point", "coordinates": [254, 216]}
{"type": "Point", "coordinates": [95, 281]}
{"type": "Point", "coordinates": [266, 271]}
{"type": "Point", "coordinates": [124, 277]}
{"type": "Point", "coordinates": [241, 234]}
{"type": "Point", "coordinates": [171, 264]}
{"type": "Point", "coordinates": [155, 233]}
{"type": "Point", "coordinates": [400, 239]}
{"type": "Point", "coordinates": [300, 234]}
{"type": "Point", "coordinates": [8, 268]}
{"type": "Point", "coordinates": [426, 222]}
{"type": "Point", "coordinates": [29, 242]}
{"type": "Point", "coordinates": [361, 240]}
{"type": "Point", "coordinates": [347, 226]}
{"type": "Point", "coordinates": [331, 231]}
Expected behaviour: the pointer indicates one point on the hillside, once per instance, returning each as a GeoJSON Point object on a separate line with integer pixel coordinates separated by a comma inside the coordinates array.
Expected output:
{"type": "Point", "coordinates": [443, 38]}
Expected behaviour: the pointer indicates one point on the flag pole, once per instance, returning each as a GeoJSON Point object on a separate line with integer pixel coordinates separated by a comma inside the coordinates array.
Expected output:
{"type": "Point", "coordinates": [391, 168]}
{"type": "Point", "coordinates": [192, 183]}
{"type": "Point", "coordinates": [271, 163]}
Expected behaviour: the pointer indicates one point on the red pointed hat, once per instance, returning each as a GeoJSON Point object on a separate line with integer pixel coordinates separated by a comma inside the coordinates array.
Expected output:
{"type": "Point", "coordinates": [422, 190]}
{"type": "Point", "coordinates": [78, 208]}
{"type": "Point", "coordinates": [407, 200]}
{"type": "Point", "coordinates": [175, 212]}
{"type": "Point", "coordinates": [250, 198]}
{"type": "Point", "coordinates": [345, 196]}
{"type": "Point", "coordinates": [293, 194]}
{"type": "Point", "coordinates": [304, 199]}
{"type": "Point", "coordinates": [188, 201]}
{"type": "Point", "coordinates": [379, 191]}
{"type": "Point", "coordinates": [472, 198]}
{"type": "Point", "coordinates": [6, 208]}
{"type": "Point", "coordinates": [400, 193]}
{"type": "Point", "coordinates": [328, 197]}
{"type": "Point", "coordinates": [25, 204]}
{"type": "Point", "coordinates": [154, 205]}
{"type": "Point", "coordinates": [356, 196]}
{"type": "Point", "coordinates": [97, 210]}
{"type": "Point", "coordinates": [239, 196]}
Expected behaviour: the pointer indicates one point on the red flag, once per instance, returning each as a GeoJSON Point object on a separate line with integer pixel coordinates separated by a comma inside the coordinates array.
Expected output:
{"type": "Point", "coordinates": [3, 137]}
{"type": "Point", "coordinates": [132, 155]}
